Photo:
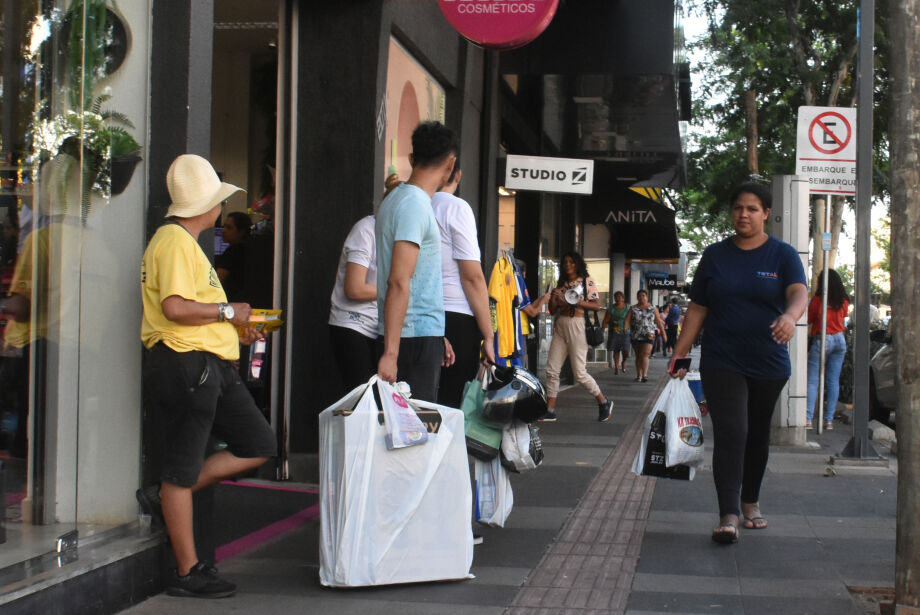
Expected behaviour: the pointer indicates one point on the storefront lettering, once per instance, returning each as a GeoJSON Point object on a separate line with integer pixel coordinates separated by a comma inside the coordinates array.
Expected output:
{"type": "Point", "coordinates": [466, 6]}
{"type": "Point", "coordinates": [632, 216]}
{"type": "Point", "coordinates": [499, 24]}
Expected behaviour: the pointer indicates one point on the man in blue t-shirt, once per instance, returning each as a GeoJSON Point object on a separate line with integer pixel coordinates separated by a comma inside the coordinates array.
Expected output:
{"type": "Point", "coordinates": [410, 302]}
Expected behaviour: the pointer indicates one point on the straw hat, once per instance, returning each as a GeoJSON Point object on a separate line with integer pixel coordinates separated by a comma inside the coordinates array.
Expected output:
{"type": "Point", "coordinates": [194, 187]}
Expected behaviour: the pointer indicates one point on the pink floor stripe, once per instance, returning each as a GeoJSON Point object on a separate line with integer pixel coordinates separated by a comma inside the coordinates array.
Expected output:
{"type": "Point", "coordinates": [233, 483]}
{"type": "Point", "coordinates": [259, 537]}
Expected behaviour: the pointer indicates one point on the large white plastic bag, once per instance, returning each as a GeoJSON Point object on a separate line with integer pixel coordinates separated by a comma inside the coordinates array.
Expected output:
{"type": "Point", "coordinates": [684, 437]}
{"type": "Point", "coordinates": [402, 424]}
{"type": "Point", "coordinates": [398, 516]}
{"type": "Point", "coordinates": [494, 498]}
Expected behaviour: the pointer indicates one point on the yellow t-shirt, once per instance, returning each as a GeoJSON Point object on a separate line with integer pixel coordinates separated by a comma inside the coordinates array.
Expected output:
{"type": "Point", "coordinates": [174, 264]}
{"type": "Point", "coordinates": [502, 291]}
{"type": "Point", "coordinates": [19, 334]}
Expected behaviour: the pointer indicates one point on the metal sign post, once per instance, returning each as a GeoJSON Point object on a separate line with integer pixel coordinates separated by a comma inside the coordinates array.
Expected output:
{"type": "Point", "coordinates": [859, 447]}
{"type": "Point", "coordinates": [826, 249]}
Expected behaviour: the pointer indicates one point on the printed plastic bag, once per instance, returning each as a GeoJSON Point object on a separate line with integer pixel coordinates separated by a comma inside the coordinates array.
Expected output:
{"type": "Point", "coordinates": [494, 498]}
{"type": "Point", "coordinates": [522, 448]}
{"type": "Point", "coordinates": [403, 426]}
{"type": "Point", "coordinates": [652, 457]}
{"type": "Point", "coordinates": [684, 437]}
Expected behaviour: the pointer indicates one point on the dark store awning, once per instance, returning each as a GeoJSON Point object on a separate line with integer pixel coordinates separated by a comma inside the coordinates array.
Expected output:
{"type": "Point", "coordinates": [640, 228]}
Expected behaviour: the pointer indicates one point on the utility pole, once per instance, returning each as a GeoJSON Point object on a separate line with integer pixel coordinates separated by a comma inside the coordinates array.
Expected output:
{"type": "Point", "coordinates": [905, 248]}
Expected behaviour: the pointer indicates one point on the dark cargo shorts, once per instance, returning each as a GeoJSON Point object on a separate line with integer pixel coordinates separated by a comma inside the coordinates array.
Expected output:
{"type": "Point", "coordinates": [190, 396]}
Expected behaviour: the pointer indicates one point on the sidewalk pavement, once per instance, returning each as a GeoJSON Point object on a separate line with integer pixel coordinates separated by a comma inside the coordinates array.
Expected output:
{"type": "Point", "coordinates": [587, 536]}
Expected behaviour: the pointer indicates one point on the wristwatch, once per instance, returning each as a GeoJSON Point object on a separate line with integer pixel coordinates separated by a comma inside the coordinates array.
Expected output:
{"type": "Point", "coordinates": [225, 311]}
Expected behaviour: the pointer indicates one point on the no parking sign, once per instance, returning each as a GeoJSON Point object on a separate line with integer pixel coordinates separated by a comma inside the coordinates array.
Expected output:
{"type": "Point", "coordinates": [825, 149]}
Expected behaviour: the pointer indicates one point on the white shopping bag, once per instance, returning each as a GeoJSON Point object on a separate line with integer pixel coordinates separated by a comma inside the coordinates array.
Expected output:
{"type": "Point", "coordinates": [494, 498]}
{"type": "Point", "coordinates": [392, 516]}
{"type": "Point", "coordinates": [684, 435]}
{"type": "Point", "coordinates": [656, 437]}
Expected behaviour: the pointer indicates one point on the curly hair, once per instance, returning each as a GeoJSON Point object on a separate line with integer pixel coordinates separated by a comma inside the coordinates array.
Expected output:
{"type": "Point", "coordinates": [581, 268]}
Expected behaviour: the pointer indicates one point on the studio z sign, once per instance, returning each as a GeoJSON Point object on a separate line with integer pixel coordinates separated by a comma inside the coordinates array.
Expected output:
{"type": "Point", "coordinates": [499, 24]}
{"type": "Point", "coordinates": [570, 175]}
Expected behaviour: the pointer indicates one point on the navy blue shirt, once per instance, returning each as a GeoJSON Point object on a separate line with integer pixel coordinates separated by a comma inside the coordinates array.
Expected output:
{"type": "Point", "coordinates": [744, 291]}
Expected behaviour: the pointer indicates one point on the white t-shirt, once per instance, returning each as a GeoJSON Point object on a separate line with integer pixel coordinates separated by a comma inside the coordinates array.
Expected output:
{"type": "Point", "coordinates": [458, 243]}
{"type": "Point", "coordinates": [359, 248]}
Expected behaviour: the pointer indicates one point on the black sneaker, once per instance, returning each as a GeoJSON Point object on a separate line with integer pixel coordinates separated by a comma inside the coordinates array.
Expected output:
{"type": "Point", "coordinates": [149, 499]}
{"type": "Point", "coordinates": [603, 411]}
{"type": "Point", "coordinates": [549, 417]}
{"type": "Point", "coordinates": [200, 582]}
{"type": "Point", "coordinates": [477, 539]}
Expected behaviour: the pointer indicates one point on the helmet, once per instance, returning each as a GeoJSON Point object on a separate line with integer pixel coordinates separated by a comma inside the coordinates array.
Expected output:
{"type": "Point", "coordinates": [513, 393]}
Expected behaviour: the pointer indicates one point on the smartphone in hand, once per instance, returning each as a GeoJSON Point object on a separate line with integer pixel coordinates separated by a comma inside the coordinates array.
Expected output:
{"type": "Point", "coordinates": [679, 364]}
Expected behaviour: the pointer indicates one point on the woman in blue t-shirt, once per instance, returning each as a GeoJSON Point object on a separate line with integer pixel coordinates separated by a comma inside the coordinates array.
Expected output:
{"type": "Point", "coordinates": [747, 294]}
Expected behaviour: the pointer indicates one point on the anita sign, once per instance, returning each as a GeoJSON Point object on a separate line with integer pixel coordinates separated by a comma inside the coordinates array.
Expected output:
{"type": "Point", "coordinates": [499, 24]}
{"type": "Point", "coordinates": [631, 216]}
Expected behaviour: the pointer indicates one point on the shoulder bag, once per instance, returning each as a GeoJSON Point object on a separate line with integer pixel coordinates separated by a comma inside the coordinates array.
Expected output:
{"type": "Point", "coordinates": [594, 332]}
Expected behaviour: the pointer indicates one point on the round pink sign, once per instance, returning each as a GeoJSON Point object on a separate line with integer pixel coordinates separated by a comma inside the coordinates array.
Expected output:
{"type": "Point", "coordinates": [499, 24]}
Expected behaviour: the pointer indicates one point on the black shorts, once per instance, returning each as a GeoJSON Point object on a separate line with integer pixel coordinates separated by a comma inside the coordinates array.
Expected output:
{"type": "Point", "coordinates": [190, 396]}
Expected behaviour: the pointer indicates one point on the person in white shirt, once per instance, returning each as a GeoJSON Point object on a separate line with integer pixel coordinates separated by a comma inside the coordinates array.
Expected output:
{"type": "Point", "coordinates": [353, 314]}
{"type": "Point", "coordinates": [466, 298]}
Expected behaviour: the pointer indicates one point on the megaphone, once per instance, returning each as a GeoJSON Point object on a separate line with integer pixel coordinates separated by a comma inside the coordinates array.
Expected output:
{"type": "Point", "coordinates": [573, 295]}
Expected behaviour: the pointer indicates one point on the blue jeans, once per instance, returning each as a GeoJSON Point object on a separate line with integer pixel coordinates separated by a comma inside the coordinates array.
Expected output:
{"type": "Point", "coordinates": [836, 350]}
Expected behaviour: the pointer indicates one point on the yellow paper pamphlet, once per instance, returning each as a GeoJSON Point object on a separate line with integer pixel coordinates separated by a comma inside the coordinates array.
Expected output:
{"type": "Point", "coordinates": [266, 321]}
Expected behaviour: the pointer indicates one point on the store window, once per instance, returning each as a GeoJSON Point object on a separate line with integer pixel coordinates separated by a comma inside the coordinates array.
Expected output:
{"type": "Point", "coordinates": [72, 120]}
{"type": "Point", "coordinates": [413, 96]}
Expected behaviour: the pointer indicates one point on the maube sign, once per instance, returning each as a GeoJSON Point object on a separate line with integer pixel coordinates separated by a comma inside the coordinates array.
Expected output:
{"type": "Point", "coordinates": [499, 24]}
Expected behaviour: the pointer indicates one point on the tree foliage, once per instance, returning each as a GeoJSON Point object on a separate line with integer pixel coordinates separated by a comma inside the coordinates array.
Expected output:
{"type": "Point", "coordinates": [790, 53]}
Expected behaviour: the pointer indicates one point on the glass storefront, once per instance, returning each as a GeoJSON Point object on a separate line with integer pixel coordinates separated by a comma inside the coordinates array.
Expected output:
{"type": "Point", "coordinates": [413, 96]}
{"type": "Point", "coordinates": [73, 99]}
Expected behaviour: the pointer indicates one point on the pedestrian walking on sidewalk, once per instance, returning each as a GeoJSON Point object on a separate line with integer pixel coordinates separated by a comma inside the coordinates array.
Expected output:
{"type": "Point", "coordinates": [747, 294]}
{"type": "Point", "coordinates": [672, 322]}
{"type": "Point", "coordinates": [838, 303]}
{"type": "Point", "coordinates": [575, 292]}
{"type": "Point", "coordinates": [193, 336]}
{"type": "Point", "coordinates": [618, 333]}
{"type": "Point", "coordinates": [644, 322]}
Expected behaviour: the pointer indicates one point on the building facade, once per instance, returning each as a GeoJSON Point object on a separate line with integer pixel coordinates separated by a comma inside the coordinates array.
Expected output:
{"type": "Point", "coordinates": [308, 106]}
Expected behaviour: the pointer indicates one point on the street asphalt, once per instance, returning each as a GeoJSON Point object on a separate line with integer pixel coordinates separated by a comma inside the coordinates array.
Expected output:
{"type": "Point", "coordinates": [588, 536]}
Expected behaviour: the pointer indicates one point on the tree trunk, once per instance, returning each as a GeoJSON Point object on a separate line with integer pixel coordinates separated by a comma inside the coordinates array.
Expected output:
{"type": "Point", "coordinates": [750, 131]}
{"type": "Point", "coordinates": [905, 248]}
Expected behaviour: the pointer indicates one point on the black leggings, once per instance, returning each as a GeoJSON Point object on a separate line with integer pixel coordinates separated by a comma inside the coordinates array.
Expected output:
{"type": "Point", "coordinates": [355, 355]}
{"type": "Point", "coordinates": [741, 409]}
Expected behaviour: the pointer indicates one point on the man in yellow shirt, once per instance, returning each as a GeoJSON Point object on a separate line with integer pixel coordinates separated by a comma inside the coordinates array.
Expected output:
{"type": "Point", "coordinates": [193, 390]}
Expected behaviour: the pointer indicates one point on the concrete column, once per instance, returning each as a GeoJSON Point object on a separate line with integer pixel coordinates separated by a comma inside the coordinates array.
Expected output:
{"type": "Point", "coordinates": [789, 222]}
{"type": "Point", "coordinates": [617, 278]}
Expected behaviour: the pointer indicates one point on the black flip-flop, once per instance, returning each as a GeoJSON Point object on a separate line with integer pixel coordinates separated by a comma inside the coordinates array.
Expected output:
{"type": "Point", "coordinates": [725, 534]}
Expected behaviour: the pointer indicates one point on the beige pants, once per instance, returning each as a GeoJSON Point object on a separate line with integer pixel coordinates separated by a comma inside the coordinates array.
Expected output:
{"type": "Point", "coordinates": [569, 339]}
